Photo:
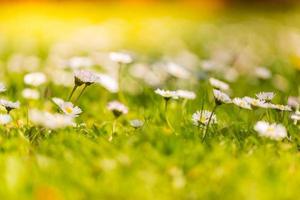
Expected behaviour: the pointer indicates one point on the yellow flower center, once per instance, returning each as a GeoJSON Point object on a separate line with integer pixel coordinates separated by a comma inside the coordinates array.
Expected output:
{"type": "Point", "coordinates": [69, 109]}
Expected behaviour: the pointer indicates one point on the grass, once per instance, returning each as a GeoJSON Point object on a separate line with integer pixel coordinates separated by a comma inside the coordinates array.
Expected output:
{"type": "Point", "coordinates": [154, 162]}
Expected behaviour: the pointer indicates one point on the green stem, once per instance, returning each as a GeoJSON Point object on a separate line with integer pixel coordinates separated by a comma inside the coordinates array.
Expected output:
{"type": "Point", "coordinates": [208, 123]}
{"type": "Point", "coordinates": [85, 86]}
{"type": "Point", "coordinates": [73, 90]}
{"type": "Point", "coordinates": [166, 115]}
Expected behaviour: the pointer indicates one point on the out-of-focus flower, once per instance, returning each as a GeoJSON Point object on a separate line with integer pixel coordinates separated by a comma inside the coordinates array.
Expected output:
{"type": "Point", "coordinates": [108, 82]}
{"type": "Point", "coordinates": [256, 103]}
{"type": "Point", "coordinates": [296, 117]}
{"type": "Point", "coordinates": [35, 79]}
{"type": "Point", "coordinates": [136, 123]}
{"type": "Point", "coordinates": [167, 94]}
{"type": "Point", "coordinates": [67, 107]}
{"type": "Point", "coordinates": [294, 102]}
{"type": "Point", "coordinates": [5, 119]}
{"type": "Point", "coordinates": [177, 71]}
{"type": "Point", "coordinates": [265, 96]}
{"type": "Point", "coordinates": [117, 108]}
{"type": "Point", "coordinates": [85, 77]}
{"type": "Point", "coordinates": [28, 93]}
{"type": "Point", "coordinates": [280, 107]}
{"type": "Point", "coordinates": [185, 94]}
{"type": "Point", "coordinates": [49, 120]}
{"type": "Point", "coordinates": [221, 97]}
{"type": "Point", "coordinates": [273, 131]}
{"type": "Point", "coordinates": [120, 57]}
{"type": "Point", "coordinates": [9, 105]}
{"type": "Point", "coordinates": [242, 103]}
{"type": "Point", "coordinates": [2, 87]}
{"type": "Point", "coordinates": [262, 73]}
{"type": "Point", "coordinates": [80, 62]}
{"type": "Point", "coordinates": [202, 118]}
{"type": "Point", "coordinates": [215, 83]}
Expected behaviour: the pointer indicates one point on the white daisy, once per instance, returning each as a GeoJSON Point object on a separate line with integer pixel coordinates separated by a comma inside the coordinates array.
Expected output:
{"type": "Point", "coordinates": [2, 87]}
{"type": "Point", "coordinates": [202, 117]}
{"type": "Point", "coordinates": [185, 94]}
{"type": "Point", "coordinates": [49, 120]}
{"type": "Point", "coordinates": [221, 97]}
{"type": "Point", "coordinates": [136, 123]}
{"type": "Point", "coordinates": [35, 79]}
{"type": "Point", "coordinates": [28, 93]}
{"type": "Point", "coordinates": [280, 107]}
{"type": "Point", "coordinates": [9, 105]}
{"type": "Point", "coordinates": [265, 96]}
{"type": "Point", "coordinates": [296, 117]}
{"type": "Point", "coordinates": [262, 73]}
{"type": "Point", "coordinates": [294, 102]}
{"type": "Point", "coordinates": [256, 102]}
{"type": "Point", "coordinates": [67, 107]}
{"type": "Point", "coordinates": [5, 119]}
{"type": "Point", "coordinates": [242, 103]}
{"type": "Point", "coordinates": [79, 62]}
{"type": "Point", "coordinates": [108, 82]}
{"type": "Point", "coordinates": [120, 57]}
{"type": "Point", "coordinates": [177, 71]}
{"type": "Point", "coordinates": [167, 94]}
{"type": "Point", "coordinates": [85, 77]}
{"type": "Point", "coordinates": [215, 83]}
{"type": "Point", "coordinates": [117, 108]}
{"type": "Point", "coordinates": [273, 131]}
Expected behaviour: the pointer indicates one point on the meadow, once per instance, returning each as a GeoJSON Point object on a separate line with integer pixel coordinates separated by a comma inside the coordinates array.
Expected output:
{"type": "Point", "coordinates": [97, 103]}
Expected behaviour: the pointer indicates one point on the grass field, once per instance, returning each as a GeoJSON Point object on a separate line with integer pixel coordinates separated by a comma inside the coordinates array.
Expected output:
{"type": "Point", "coordinates": [167, 153]}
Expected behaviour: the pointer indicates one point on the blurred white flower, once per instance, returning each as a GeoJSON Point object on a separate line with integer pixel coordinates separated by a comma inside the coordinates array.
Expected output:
{"type": "Point", "coordinates": [67, 107]}
{"type": "Point", "coordinates": [280, 107]}
{"type": "Point", "coordinates": [108, 82]}
{"type": "Point", "coordinates": [136, 123]}
{"type": "Point", "coordinates": [167, 94]}
{"type": "Point", "coordinates": [256, 102]}
{"type": "Point", "coordinates": [9, 105]}
{"type": "Point", "coordinates": [35, 79]}
{"type": "Point", "coordinates": [5, 119]}
{"type": "Point", "coordinates": [49, 120]}
{"type": "Point", "coordinates": [117, 108]}
{"type": "Point", "coordinates": [120, 57]}
{"type": "Point", "coordinates": [202, 117]}
{"type": "Point", "coordinates": [80, 62]}
{"type": "Point", "coordinates": [296, 117]}
{"type": "Point", "coordinates": [265, 96]}
{"type": "Point", "coordinates": [221, 97]}
{"type": "Point", "coordinates": [215, 83]}
{"type": "Point", "coordinates": [2, 87]}
{"type": "Point", "coordinates": [177, 71]}
{"type": "Point", "coordinates": [28, 93]}
{"type": "Point", "coordinates": [85, 77]}
{"type": "Point", "coordinates": [294, 102]}
{"type": "Point", "coordinates": [262, 73]}
{"type": "Point", "coordinates": [273, 131]}
{"type": "Point", "coordinates": [242, 103]}
{"type": "Point", "coordinates": [185, 94]}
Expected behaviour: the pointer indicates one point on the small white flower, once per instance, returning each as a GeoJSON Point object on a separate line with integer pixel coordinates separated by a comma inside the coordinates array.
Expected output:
{"type": "Point", "coordinates": [67, 107]}
{"type": "Point", "coordinates": [120, 57]}
{"type": "Point", "coordinates": [28, 93]}
{"type": "Point", "coordinates": [280, 107]}
{"type": "Point", "coordinates": [5, 119]}
{"type": "Point", "coordinates": [296, 117]}
{"type": "Point", "coordinates": [202, 117]}
{"type": "Point", "coordinates": [185, 94]}
{"type": "Point", "coordinates": [117, 108]}
{"type": "Point", "coordinates": [9, 105]}
{"type": "Point", "coordinates": [256, 102]}
{"type": "Point", "coordinates": [294, 102]}
{"type": "Point", "coordinates": [215, 83]}
{"type": "Point", "coordinates": [49, 120]}
{"type": "Point", "coordinates": [262, 73]}
{"type": "Point", "coordinates": [2, 87]}
{"type": "Point", "coordinates": [221, 97]}
{"type": "Point", "coordinates": [35, 79]}
{"type": "Point", "coordinates": [85, 77]}
{"type": "Point", "coordinates": [177, 71]}
{"type": "Point", "coordinates": [273, 131]}
{"type": "Point", "coordinates": [167, 94]}
{"type": "Point", "coordinates": [79, 62]}
{"type": "Point", "coordinates": [265, 96]}
{"type": "Point", "coordinates": [242, 103]}
{"type": "Point", "coordinates": [136, 123]}
{"type": "Point", "coordinates": [108, 83]}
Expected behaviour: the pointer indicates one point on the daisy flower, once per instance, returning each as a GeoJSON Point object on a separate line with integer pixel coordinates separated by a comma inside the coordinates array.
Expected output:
{"type": "Point", "coordinates": [280, 107]}
{"type": "Point", "coordinates": [256, 103]}
{"type": "Point", "coordinates": [117, 108]}
{"type": "Point", "coordinates": [9, 105]}
{"type": "Point", "coordinates": [262, 73]}
{"type": "Point", "coordinates": [217, 84]}
{"type": "Point", "coordinates": [202, 118]}
{"type": "Point", "coordinates": [177, 71]}
{"type": "Point", "coordinates": [167, 94]}
{"type": "Point", "coordinates": [136, 123]}
{"type": "Point", "coordinates": [2, 87]}
{"type": "Point", "coordinates": [294, 102]}
{"type": "Point", "coordinates": [221, 97]}
{"type": "Point", "coordinates": [108, 83]}
{"type": "Point", "coordinates": [5, 119]}
{"type": "Point", "coordinates": [296, 117]}
{"type": "Point", "coordinates": [35, 79]}
{"type": "Point", "coordinates": [79, 62]}
{"type": "Point", "coordinates": [273, 131]}
{"type": "Point", "coordinates": [67, 107]}
{"type": "Point", "coordinates": [265, 96]}
{"type": "Point", "coordinates": [85, 77]}
{"type": "Point", "coordinates": [28, 93]}
{"type": "Point", "coordinates": [185, 94]}
{"type": "Point", "coordinates": [242, 103]}
{"type": "Point", "coordinates": [120, 57]}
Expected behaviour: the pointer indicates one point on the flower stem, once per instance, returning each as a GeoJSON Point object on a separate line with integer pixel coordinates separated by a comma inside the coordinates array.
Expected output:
{"type": "Point", "coordinates": [166, 115]}
{"type": "Point", "coordinates": [73, 90]}
{"type": "Point", "coordinates": [85, 86]}
{"type": "Point", "coordinates": [208, 123]}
